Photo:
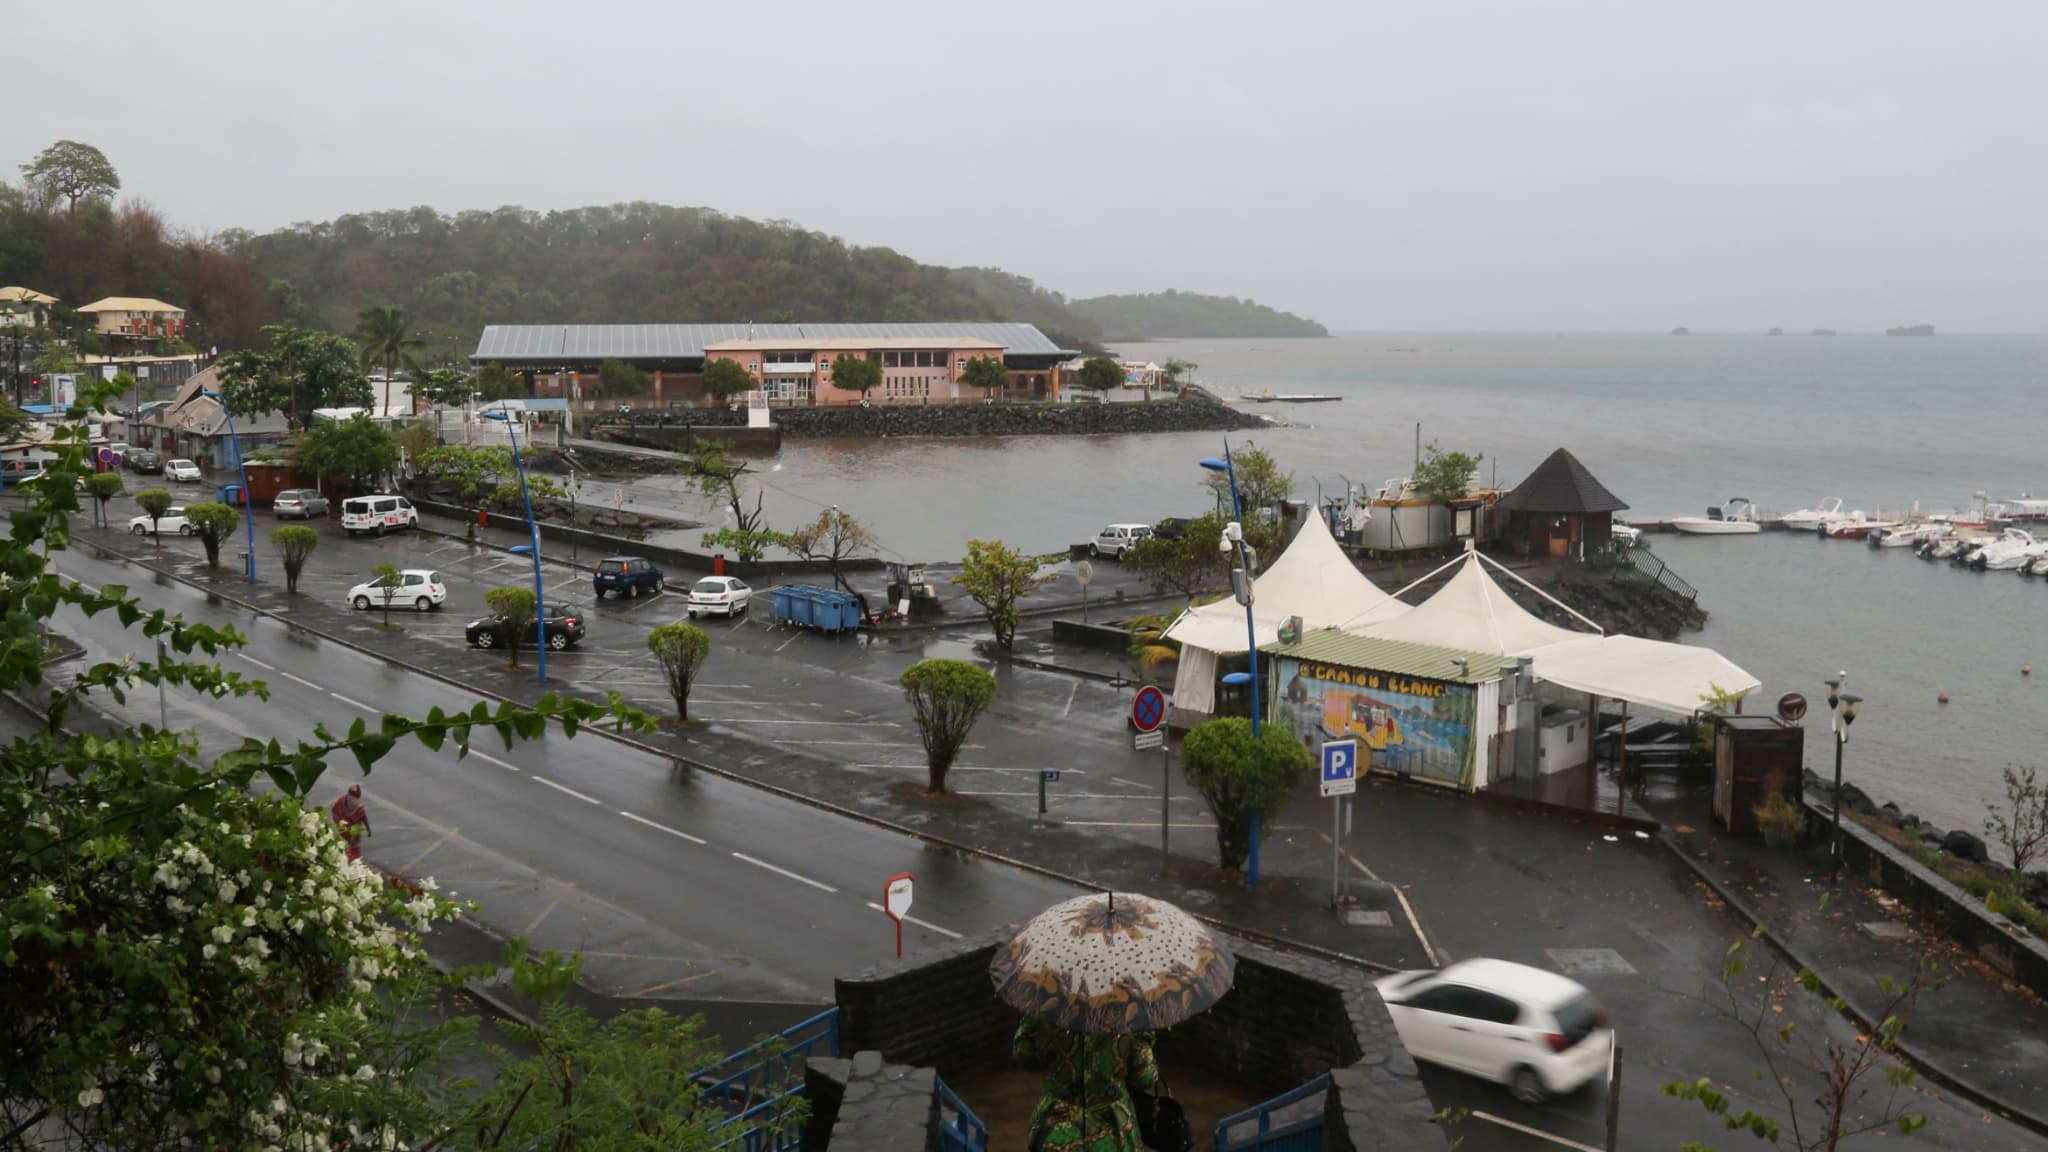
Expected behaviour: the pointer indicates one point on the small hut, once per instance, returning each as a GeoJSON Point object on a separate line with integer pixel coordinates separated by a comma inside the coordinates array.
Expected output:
{"type": "Point", "coordinates": [1560, 509]}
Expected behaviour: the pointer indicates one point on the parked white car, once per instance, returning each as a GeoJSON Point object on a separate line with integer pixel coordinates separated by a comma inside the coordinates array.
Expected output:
{"type": "Point", "coordinates": [378, 514]}
{"type": "Point", "coordinates": [1534, 1031]}
{"type": "Point", "coordinates": [1116, 539]}
{"type": "Point", "coordinates": [182, 470]}
{"type": "Point", "coordinates": [417, 588]}
{"type": "Point", "coordinates": [173, 520]}
{"type": "Point", "coordinates": [719, 595]}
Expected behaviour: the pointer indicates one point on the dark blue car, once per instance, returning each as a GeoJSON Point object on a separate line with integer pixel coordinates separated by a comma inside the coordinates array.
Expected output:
{"type": "Point", "coordinates": [627, 576]}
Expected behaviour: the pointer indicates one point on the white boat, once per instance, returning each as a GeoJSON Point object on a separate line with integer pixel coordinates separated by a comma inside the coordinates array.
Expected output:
{"type": "Point", "coordinates": [2012, 549]}
{"type": "Point", "coordinates": [1944, 548]}
{"type": "Point", "coordinates": [1736, 517]}
{"type": "Point", "coordinates": [1810, 518]}
{"type": "Point", "coordinates": [1626, 535]}
{"type": "Point", "coordinates": [1854, 526]}
{"type": "Point", "coordinates": [1911, 535]}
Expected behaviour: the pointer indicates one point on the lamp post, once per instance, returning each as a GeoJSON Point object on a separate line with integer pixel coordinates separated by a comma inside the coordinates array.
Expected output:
{"type": "Point", "coordinates": [540, 604]}
{"type": "Point", "coordinates": [241, 464]}
{"type": "Point", "coordinates": [1842, 709]}
{"type": "Point", "coordinates": [1233, 533]}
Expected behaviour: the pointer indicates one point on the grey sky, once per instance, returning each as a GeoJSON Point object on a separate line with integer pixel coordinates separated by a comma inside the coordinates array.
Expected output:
{"type": "Point", "coordinates": [1632, 165]}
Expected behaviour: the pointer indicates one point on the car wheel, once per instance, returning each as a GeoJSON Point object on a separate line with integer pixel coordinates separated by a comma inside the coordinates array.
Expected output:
{"type": "Point", "coordinates": [1527, 1086]}
{"type": "Point", "coordinates": [138, 529]}
{"type": "Point", "coordinates": [691, 613]}
{"type": "Point", "coordinates": [660, 585]}
{"type": "Point", "coordinates": [487, 639]}
{"type": "Point", "coordinates": [351, 532]}
{"type": "Point", "coordinates": [558, 641]}
{"type": "Point", "coordinates": [632, 591]}
{"type": "Point", "coordinates": [362, 603]}
{"type": "Point", "coordinates": [423, 604]}
{"type": "Point", "coordinates": [184, 529]}
{"type": "Point", "coordinates": [1095, 550]}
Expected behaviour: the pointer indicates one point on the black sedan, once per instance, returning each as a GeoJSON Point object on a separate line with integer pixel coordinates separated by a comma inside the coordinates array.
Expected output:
{"type": "Point", "coordinates": [565, 630]}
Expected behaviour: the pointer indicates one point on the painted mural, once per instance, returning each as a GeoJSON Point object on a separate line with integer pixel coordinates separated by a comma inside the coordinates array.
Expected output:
{"type": "Point", "coordinates": [1403, 724]}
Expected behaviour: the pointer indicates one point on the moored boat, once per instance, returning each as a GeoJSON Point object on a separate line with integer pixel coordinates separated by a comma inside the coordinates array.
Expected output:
{"type": "Point", "coordinates": [1810, 518]}
{"type": "Point", "coordinates": [1735, 517]}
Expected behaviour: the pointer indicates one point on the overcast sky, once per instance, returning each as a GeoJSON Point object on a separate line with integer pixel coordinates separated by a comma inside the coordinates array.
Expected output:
{"type": "Point", "coordinates": [1571, 166]}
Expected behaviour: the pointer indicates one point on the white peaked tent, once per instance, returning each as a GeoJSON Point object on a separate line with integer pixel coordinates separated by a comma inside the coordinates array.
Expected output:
{"type": "Point", "coordinates": [1470, 612]}
{"type": "Point", "coordinates": [1312, 579]}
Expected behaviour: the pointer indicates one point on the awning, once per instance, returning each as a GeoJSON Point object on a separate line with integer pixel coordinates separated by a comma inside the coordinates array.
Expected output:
{"type": "Point", "coordinates": [1667, 677]}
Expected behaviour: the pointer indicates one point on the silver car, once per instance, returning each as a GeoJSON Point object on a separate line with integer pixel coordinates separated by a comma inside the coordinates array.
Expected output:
{"type": "Point", "coordinates": [304, 503]}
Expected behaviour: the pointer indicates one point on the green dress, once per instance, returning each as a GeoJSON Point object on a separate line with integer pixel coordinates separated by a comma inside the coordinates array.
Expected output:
{"type": "Point", "coordinates": [1100, 1070]}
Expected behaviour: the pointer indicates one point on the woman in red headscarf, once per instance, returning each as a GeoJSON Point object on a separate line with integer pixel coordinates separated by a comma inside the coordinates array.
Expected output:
{"type": "Point", "coordinates": [350, 812]}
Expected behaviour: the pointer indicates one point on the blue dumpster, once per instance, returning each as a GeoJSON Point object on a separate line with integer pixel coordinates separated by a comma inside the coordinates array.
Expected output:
{"type": "Point", "coordinates": [810, 606]}
{"type": "Point", "coordinates": [229, 494]}
{"type": "Point", "coordinates": [836, 611]}
{"type": "Point", "coordinates": [782, 604]}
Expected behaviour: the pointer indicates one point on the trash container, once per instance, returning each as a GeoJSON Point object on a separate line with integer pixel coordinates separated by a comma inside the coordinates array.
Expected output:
{"type": "Point", "coordinates": [229, 494]}
{"type": "Point", "coordinates": [718, 564]}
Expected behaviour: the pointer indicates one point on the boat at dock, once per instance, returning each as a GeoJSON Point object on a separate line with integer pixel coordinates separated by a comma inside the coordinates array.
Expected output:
{"type": "Point", "coordinates": [1269, 396]}
{"type": "Point", "coordinates": [1810, 518]}
{"type": "Point", "coordinates": [1854, 526]}
{"type": "Point", "coordinates": [1734, 517]}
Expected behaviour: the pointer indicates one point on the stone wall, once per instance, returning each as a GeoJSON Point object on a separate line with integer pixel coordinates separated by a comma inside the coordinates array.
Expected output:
{"type": "Point", "coordinates": [866, 1105]}
{"type": "Point", "coordinates": [936, 1009]}
{"type": "Point", "coordinates": [1195, 411]}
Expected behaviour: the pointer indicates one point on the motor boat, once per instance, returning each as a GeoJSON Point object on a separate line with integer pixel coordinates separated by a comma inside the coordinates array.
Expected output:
{"type": "Point", "coordinates": [1854, 526]}
{"type": "Point", "coordinates": [2038, 566]}
{"type": "Point", "coordinates": [1944, 548]}
{"type": "Point", "coordinates": [2010, 550]}
{"type": "Point", "coordinates": [1626, 535]}
{"type": "Point", "coordinates": [1734, 518]}
{"type": "Point", "coordinates": [1910, 535]}
{"type": "Point", "coordinates": [1810, 518]}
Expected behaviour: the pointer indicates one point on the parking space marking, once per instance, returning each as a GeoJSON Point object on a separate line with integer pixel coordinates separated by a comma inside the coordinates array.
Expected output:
{"type": "Point", "coordinates": [662, 828]}
{"type": "Point", "coordinates": [256, 662]}
{"type": "Point", "coordinates": [1528, 1131]}
{"type": "Point", "coordinates": [947, 932]}
{"type": "Point", "coordinates": [570, 791]}
{"type": "Point", "coordinates": [356, 704]}
{"type": "Point", "coordinates": [772, 720]}
{"type": "Point", "coordinates": [784, 872]}
{"type": "Point", "coordinates": [978, 768]}
{"type": "Point", "coordinates": [1132, 824]}
{"type": "Point", "coordinates": [304, 681]}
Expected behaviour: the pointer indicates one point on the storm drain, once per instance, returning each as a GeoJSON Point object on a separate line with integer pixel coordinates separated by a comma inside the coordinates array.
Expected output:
{"type": "Point", "coordinates": [1886, 929]}
{"type": "Point", "coordinates": [1589, 962]}
{"type": "Point", "coordinates": [1368, 918]}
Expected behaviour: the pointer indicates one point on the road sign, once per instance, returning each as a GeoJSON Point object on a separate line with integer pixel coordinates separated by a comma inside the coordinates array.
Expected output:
{"type": "Point", "coordinates": [106, 455]}
{"type": "Point", "coordinates": [1052, 775]}
{"type": "Point", "coordinates": [1148, 710]}
{"type": "Point", "coordinates": [1340, 767]}
{"type": "Point", "coordinates": [1153, 739]}
{"type": "Point", "coordinates": [896, 904]}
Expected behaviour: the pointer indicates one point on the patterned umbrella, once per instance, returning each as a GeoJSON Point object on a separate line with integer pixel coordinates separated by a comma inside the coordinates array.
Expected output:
{"type": "Point", "coordinates": [1115, 962]}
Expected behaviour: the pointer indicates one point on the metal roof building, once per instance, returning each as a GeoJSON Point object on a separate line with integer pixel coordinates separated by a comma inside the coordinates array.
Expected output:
{"type": "Point", "coordinates": [549, 345]}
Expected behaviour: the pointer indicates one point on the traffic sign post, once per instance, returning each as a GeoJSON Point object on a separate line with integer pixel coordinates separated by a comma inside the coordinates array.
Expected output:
{"type": "Point", "coordinates": [1045, 776]}
{"type": "Point", "coordinates": [1340, 780]}
{"type": "Point", "coordinates": [1148, 708]}
{"type": "Point", "coordinates": [1148, 712]}
{"type": "Point", "coordinates": [896, 904]}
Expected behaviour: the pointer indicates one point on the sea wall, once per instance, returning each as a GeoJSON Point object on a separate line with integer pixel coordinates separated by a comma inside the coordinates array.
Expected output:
{"type": "Point", "coordinates": [1194, 411]}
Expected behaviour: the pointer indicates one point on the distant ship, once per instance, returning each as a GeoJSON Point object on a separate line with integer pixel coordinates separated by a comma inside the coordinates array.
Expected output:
{"type": "Point", "coordinates": [1681, 332]}
{"type": "Point", "coordinates": [1915, 330]}
{"type": "Point", "coordinates": [1823, 331]}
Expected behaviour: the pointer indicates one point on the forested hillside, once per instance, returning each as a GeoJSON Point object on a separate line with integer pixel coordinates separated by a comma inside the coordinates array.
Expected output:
{"type": "Point", "coordinates": [1188, 314]}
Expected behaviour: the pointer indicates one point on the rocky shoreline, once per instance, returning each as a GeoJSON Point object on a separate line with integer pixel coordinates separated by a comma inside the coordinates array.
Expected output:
{"type": "Point", "coordinates": [1194, 410]}
{"type": "Point", "coordinates": [1964, 846]}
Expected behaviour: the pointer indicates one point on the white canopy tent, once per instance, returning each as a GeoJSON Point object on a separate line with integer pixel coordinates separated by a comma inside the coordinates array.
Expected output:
{"type": "Point", "coordinates": [1470, 612]}
{"type": "Point", "coordinates": [1655, 674]}
{"type": "Point", "coordinates": [1312, 579]}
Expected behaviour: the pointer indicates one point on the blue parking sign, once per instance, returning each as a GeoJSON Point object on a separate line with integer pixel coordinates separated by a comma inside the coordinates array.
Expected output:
{"type": "Point", "coordinates": [1340, 767]}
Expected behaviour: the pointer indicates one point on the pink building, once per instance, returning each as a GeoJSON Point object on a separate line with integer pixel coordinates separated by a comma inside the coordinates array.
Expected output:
{"type": "Point", "coordinates": [915, 369]}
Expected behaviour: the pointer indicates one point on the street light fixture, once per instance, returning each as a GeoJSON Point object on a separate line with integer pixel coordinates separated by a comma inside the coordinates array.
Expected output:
{"type": "Point", "coordinates": [540, 604]}
{"type": "Point", "coordinates": [1241, 581]}
{"type": "Point", "coordinates": [1842, 710]}
{"type": "Point", "coordinates": [241, 463]}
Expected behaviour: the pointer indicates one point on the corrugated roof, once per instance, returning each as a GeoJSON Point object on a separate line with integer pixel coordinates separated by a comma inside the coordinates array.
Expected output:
{"type": "Point", "coordinates": [1562, 484]}
{"type": "Point", "coordinates": [851, 343]}
{"type": "Point", "coordinates": [130, 304]}
{"type": "Point", "coordinates": [1329, 646]}
{"type": "Point", "coordinates": [528, 342]}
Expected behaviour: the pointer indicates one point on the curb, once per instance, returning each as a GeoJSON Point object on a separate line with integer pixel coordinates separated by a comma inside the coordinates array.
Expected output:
{"type": "Point", "coordinates": [1257, 936]}
{"type": "Point", "coordinates": [1962, 1086]}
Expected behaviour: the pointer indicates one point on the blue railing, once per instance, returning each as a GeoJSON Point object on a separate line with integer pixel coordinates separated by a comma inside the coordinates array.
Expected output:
{"type": "Point", "coordinates": [960, 1130]}
{"type": "Point", "coordinates": [1303, 1134]}
{"type": "Point", "coordinates": [757, 1096]}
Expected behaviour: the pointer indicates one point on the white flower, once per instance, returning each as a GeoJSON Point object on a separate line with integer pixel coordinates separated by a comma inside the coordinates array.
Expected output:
{"type": "Point", "coordinates": [213, 1075]}
{"type": "Point", "coordinates": [207, 951]}
{"type": "Point", "coordinates": [223, 934]}
{"type": "Point", "coordinates": [90, 1097]}
{"type": "Point", "coordinates": [366, 1073]}
{"type": "Point", "coordinates": [227, 891]}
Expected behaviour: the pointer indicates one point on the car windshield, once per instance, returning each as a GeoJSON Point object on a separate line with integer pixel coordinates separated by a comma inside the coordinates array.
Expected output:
{"type": "Point", "coordinates": [1578, 1016]}
{"type": "Point", "coordinates": [712, 587]}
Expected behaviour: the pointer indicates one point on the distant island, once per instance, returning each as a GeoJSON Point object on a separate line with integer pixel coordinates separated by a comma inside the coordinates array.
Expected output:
{"type": "Point", "coordinates": [1168, 314]}
{"type": "Point", "coordinates": [1914, 330]}
{"type": "Point", "coordinates": [1777, 332]}
{"type": "Point", "coordinates": [1823, 331]}
{"type": "Point", "coordinates": [1681, 332]}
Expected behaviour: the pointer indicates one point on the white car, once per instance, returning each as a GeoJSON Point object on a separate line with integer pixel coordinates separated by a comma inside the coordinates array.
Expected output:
{"type": "Point", "coordinates": [378, 514]}
{"type": "Point", "coordinates": [417, 589]}
{"type": "Point", "coordinates": [173, 520]}
{"type": "Point", "coordinates": [182, 470]}
{"type": "Point", "coordinates": [719, 595]}
{"type": "Point", "coordinates": [1534, 1031]}
{"type": "Point", "coordinates": [1116, 539]}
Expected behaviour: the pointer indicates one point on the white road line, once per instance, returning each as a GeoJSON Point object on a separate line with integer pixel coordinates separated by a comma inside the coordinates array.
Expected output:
{"type": "Point", "coordinates": [356, 704]}
{"type": "Point", "coordinates": [1129, 824]}
{"type": "Point", "coordinates": [1528, 1131]}
{"type": "Point", "coordinates": [662, 827]}
{"type": "Point", "coordinates": [947, 932]}
{"type": "Point", "coordinates": [788, 642]}
{"type": "Point", "coordinates": [487, 758]}
{"type": "Point", "coordinates": [1407, 909]}
{"type": "Point", "coordinates": [784, 872]}
{"type": "Point", "coordinates": [256, 662]}
{"type": "Point", "coordinates": [570, 791]}
{"type": "Point", "coordinates": [1068, 710]}
{"type": "Point", "coordinates": [770, 720]}
{"type": "Point", "coordinates": [306, 682]}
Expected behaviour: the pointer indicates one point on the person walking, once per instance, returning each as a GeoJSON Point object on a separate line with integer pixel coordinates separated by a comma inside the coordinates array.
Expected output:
{"type": "Point", "coordinates": [349, 812]}
{"type": "Point", "coordinates": [1088, 1084]}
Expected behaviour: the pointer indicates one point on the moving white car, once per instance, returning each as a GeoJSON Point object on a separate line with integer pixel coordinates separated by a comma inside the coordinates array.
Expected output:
{"type": "Point", "coordinates": [379, 514]}
{"type": "Point", "coordinates": [182, 470]}
{"type": "Point", "coordinates": [718, 595]}
{"type": "Point", "coordinates": [1116, 539]}
{"type": "Point", "coordinates": [173, 520]}
{"type": "Point", "coordinates": [1534, 1031]}
{"type": "Point", "coordinates": [418, 589]}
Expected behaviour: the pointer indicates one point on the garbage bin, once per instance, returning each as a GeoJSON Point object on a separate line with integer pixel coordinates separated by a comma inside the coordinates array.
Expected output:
{"type": "Point", "coordinates": [718, 564]}
{"type": "Point", "coordinates": [229, 494]}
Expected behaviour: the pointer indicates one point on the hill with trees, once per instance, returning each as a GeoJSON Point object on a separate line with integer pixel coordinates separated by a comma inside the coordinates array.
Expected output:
{"type": "Point", "coordinates": [1189, 315]}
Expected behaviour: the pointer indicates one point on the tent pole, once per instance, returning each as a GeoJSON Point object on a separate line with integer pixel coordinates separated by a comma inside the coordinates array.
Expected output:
{"type": "Point", "coordinates": [1621, 760]}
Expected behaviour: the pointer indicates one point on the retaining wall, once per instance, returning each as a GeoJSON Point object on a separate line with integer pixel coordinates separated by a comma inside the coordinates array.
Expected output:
{"type": "Point", "coordinates": [1195, 411]}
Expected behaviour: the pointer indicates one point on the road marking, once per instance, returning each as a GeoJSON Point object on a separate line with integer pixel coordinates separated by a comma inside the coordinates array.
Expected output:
{"type": "Point", "coordinates": [1407, 909]}
{"type": "Point", "coordinates": [303, 680]}
{"type": "Point", "coordinates": [662, 827]}
{"type": "Point", "coordinates": [770, 720]}
{"type": "Point", "coordinates": [969, 768]}
{"type": "Point", "coordinates": [1528, 1131]}
{"type": "Point", "coordinates": [1084, 796]}
{"type": "Point", "coordinates": [256, 662]}
{"type": "Point", "coordinates": [356, 704]}
{"type": "Point", "coordinates": [788, 642]}
{"type": "Point", "coordinates": [1129, 824]}
{"type": "Point", "coordinates": [409, 865]}
{"type": "Point", "coordinates": [1075, 691]}
{"type": "Point", "coordinates": [947, 932]}
{"type": "Point", "coordinates": [784, 872]}
{"type": "Point", "coordinates": [487, 758]}
{"type": "Point", "coordinates": [537, 919]}
{"type": "Point", "coordinates": [570, 791]}
{"type": "Point", "coordinates": [651, 989]}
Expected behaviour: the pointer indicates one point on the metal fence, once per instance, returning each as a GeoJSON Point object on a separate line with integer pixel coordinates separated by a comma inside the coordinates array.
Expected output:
{"type": "Point", "coordinates": [1639, 562]}
{"type": "Point", "coordinates": [960, 1130]}
{"type": "Point", "coordinates": [769, 1078]}
{"type": "Point", "coordinates": [1289, 1123]}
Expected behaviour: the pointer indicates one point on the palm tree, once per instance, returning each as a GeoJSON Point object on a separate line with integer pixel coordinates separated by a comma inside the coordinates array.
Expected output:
{"type": "Point", "coordinates": [382, 329]}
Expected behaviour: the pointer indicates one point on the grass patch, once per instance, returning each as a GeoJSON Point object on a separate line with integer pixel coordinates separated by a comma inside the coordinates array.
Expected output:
{"type": "Point", "coordinates": [2001, 894]}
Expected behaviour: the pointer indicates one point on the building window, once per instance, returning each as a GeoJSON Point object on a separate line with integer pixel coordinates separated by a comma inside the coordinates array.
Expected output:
{"type": "Point", "coordinates": [889, 360]}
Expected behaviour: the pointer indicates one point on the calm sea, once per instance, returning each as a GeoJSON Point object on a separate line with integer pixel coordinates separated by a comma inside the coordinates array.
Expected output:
{"type": "Point", "coordinates": [1671, 424]}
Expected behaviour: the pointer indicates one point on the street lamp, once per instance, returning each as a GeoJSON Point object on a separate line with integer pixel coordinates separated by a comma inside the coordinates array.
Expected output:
{"type": "Point", "coordinates": [242, 464]}
{"type": "Point", "coordinates": [1842, 709]}
{"type": "Point", "coordinates": [1233, 533]}
{"type": "Point", "coordinates": [540, 603]}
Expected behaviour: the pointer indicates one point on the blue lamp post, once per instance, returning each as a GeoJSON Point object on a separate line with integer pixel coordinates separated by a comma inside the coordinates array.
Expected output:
{"type": "Point", "coordinates": [540, 603]}
{"type": "Point", "coordinates": [1225, 466]}
{"type": "Point", "coordinates": [248, 504]}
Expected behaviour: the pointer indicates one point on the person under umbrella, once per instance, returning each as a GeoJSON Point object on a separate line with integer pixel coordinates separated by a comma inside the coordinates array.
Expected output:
{"type": "Point", "coordinates": [349, 811]}
{"type": "Point", "coordinates": [1089, 1083]}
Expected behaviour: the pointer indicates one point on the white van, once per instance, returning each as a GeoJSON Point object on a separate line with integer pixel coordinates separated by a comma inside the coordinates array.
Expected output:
{"type": "Point", "coordinates": [378, 514]}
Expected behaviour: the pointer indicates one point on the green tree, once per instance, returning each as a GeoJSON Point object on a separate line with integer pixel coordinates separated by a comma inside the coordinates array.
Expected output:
{"type": "Point", "coordinates": [1188, 564]}
{"type": "Point", "coordinates": [103, 487]}
{"type": "Point", "coordinates": [14, 423]}
{"type": "Point", "coordinates": [385, 336]}
{"type": "Point", "coordinates": [475, 474]}
{"type": "Point", "coordinates": [154, 502]}
{"type": "Point", "coordinates": [73, 172]}
{"type": "Point", "coordinates": [2021, 827]}
{"type": "Point", "coordinates": [725, 378]}
{"type": "Point", "coordinates": [213, 523]}
{"type": "Point", "coordinates": [855, 373]}
{"type": "Point", "coordinates": [1444, 475]}
{"type": "Point", "coordinates": [445, 387]}
{"type": "Point", "coordinates": [496, 382]}
{"type": "Point", "coordinates": [947, 697]}
{"type": "Point", "coordinates": [1261, 485]}
{"type": "Point", "coordinates": [1100, 374]}
{"type": "Point", "coordinates": [358, 448]}
{"type": "Point", "coordinates": [1178, 371]}
{"type": "Point", "coordinates": [413, 441]}
{"type": "Point", "coordinates": [986, 373]}
{"type": "Point", "coordinates": [1239, 776]}
{"type": "Point", "coordinates": [386, 578]}
{"type": "Point", "coordinates": [996, 578]}
{"type": "Point", "coordinates": [715, 472]}
{"type": "Point", "coordinates": [301, 370]}
{"type": "Point", "coordinates": [519, 608]}
{"type": "Point", "coordinates": [680, 649]}
{"type": "Point", "coordinates": [294, 542]}
{"type": "Point", "coordinates": [618, 378]}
